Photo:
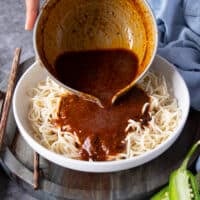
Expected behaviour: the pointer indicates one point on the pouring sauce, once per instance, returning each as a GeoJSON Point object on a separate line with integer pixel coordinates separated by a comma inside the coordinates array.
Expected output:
{"type": "Point", "coordinates": [101, 73]}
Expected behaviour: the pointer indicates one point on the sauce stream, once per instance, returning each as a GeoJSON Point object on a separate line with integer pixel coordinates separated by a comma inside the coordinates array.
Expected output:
{"type": "Point", "coordinates": [101, 73]}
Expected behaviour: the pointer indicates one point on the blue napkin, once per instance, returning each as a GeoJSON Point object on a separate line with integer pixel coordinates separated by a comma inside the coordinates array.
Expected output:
{"type": "Point", "coordinates": [179, 40]}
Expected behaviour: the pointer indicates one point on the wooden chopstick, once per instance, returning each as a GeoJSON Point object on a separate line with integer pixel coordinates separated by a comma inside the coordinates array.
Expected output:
{"type": "Point", "coordinates": [8, 96]}
{"type": "Point", "coordinates": [36, 171]}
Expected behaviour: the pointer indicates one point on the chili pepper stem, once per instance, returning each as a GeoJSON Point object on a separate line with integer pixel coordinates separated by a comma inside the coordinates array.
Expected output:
{"type": "Point", "coordinates": [189, 154]}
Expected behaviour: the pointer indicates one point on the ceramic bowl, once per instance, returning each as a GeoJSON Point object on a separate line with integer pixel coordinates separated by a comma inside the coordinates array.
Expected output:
{"type": "Point", "coordinates": [36, 73]}
{"type": "Point", "coordinates": [76, 25]}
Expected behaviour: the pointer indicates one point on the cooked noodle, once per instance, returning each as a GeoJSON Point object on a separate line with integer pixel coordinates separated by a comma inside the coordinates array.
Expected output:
{"type": "Point", "coordinates": [163, 109]}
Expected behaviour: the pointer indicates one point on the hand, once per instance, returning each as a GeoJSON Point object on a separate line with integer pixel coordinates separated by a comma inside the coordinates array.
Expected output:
{"type": "Point", "coordinates": [32, 8]}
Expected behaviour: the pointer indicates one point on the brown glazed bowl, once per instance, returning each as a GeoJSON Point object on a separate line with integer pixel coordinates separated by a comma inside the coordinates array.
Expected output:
{"type": "Point", "coordinates": [74, 25]}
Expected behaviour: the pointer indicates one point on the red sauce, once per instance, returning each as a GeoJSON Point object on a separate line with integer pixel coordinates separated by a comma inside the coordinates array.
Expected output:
{"type": "Point", "coordinates": [101, 73]}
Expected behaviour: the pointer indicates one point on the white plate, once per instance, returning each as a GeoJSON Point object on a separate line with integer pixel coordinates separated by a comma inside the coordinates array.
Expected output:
{"type": "Point", "coordinates": [36, 73]}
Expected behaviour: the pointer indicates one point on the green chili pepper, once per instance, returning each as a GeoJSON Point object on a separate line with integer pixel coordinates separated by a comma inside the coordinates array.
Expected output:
{"type": "Point", "coordinates": [162, 195]}
{"type": "Point", "coordinates": [182, 183]}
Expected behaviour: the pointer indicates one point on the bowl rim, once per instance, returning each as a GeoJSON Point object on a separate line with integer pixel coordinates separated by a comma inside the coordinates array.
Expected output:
{"type": "Point", "coordinates": [100, 166]}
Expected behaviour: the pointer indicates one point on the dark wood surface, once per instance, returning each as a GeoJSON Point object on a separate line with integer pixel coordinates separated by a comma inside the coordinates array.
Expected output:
{"type": "Point", "coordinates": [56, 182]}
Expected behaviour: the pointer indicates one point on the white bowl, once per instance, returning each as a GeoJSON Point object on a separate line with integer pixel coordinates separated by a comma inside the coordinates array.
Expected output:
{"type": "Point", "coordinates": [36, 73]}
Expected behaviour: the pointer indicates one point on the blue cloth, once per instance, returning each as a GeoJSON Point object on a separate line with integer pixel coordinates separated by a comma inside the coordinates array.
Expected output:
{"type": "Point", "coordinates": [179, 40]}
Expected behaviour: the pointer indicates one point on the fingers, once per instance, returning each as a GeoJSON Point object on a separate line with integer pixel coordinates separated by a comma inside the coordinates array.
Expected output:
{"type": "Point", "coordinates": [32, 7]}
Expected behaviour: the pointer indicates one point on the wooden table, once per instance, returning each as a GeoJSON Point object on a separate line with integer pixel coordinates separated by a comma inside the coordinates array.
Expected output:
{"type": "Point", "coordinates": [60, 183]}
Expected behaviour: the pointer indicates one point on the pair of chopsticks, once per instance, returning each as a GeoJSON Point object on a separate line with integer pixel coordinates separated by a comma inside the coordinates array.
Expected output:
{"type": "Point", "coordinates": [5, 112]}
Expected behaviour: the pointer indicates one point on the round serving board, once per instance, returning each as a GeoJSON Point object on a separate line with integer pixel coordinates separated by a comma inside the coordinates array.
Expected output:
{"type": "Point", "coordinates": [56, 182]}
